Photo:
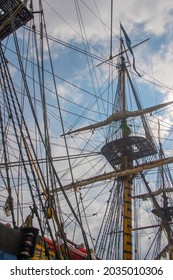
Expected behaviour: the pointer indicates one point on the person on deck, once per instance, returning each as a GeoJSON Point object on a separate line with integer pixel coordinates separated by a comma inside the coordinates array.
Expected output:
{"type": "Point", "coordinates": [127, 130]}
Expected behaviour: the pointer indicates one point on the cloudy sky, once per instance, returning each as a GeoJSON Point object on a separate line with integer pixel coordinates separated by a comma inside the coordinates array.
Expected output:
{"type": "Point", "coordinates": [80, 27]}
{"type": "Point", "coordinates": [141, 19]}
{"type": "Point", "coordinates": [86, 25]}
{"type": "Point", "coordinates": [73, 20]}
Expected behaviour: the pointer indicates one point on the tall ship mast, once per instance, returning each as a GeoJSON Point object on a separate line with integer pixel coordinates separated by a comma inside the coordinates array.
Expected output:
{"type": "Point", "coordinates": [81, 167]}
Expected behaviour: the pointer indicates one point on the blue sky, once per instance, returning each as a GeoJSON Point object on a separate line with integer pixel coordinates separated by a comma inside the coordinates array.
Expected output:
{"type": "Point", "coordinates": [142, 20]}
{"type": "Point", "coordinates": [80, 81]}
{"type": "Point", "coordinates": [154, 57]}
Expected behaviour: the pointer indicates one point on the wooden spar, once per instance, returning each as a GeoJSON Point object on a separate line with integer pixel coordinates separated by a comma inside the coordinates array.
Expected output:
{"type": "Point", "coordinates": [115, 174]}
{"type": "Point", "coordinates": [119, 116]}
{"type": "Point", "coordinates": [119, 54]}
{"type": "Point", "coordinates": [140, 228]}
{"type": "Point", "coordinates": [155, 193]}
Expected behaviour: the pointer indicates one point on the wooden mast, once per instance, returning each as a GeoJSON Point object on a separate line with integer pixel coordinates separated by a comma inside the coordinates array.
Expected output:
{"type": "Point", "coordinates": [121, 153]}
{"type": "Point", "coordinates": [126, 180]}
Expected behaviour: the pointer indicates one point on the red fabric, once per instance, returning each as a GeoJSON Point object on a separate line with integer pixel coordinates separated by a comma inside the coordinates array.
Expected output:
{"type": "Point", "coordinates": [82, 250]}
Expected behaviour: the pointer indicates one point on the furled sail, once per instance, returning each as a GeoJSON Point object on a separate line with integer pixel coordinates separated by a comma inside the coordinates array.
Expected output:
{"type": "Point", "coordinates": [115, 174]}
{"type": "Point", "coordinates": [119, 116]}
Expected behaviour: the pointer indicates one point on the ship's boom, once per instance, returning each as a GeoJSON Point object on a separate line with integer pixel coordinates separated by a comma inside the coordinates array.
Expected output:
{"type": "Point", "coordinates": [115, 174]}
{"type": "Point", "coordinates": [119, 116]}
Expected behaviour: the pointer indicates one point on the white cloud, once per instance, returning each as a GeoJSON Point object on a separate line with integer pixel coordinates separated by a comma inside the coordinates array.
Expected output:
{"type": "Point", "coordinates": [96, 14]}
{"type": "Point", "coordinates": [141, 19]}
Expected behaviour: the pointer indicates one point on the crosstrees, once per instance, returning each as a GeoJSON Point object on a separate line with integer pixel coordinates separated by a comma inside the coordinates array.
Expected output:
{"type": "Point", "coordinates": [13, 14]}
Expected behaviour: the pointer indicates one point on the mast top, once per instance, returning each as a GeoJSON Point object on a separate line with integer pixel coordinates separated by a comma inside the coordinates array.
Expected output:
{"type": "Point", "coordinates": [13, 14]}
